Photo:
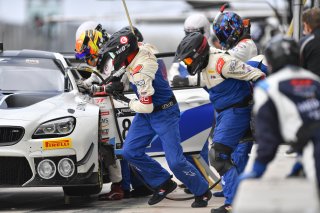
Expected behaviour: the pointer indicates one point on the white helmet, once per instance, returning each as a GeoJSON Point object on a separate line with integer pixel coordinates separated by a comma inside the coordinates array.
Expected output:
{"type": "Point", "coordinates": [197, 23]}
{"type": "Point", "coordinates": [88, 25]}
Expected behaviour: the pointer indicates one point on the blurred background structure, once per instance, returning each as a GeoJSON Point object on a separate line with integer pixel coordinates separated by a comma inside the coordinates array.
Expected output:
{"type": "Point", "coordinates": [51, 24]}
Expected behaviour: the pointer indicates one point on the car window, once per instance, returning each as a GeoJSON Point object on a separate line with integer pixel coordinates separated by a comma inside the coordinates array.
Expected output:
{"type": "Point", "coordinates": [32, 75]}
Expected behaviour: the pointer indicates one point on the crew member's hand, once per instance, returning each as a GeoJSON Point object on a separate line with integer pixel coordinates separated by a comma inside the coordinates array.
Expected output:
{"type": "Point", "coordinates": [113, 87]}
{"type": "Point", "coordinates": [179, 81]}
{"type": "Point", "coordinates": [82, 86]}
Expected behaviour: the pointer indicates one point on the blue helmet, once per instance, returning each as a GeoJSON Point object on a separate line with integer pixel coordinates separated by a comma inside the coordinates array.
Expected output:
{"type": "Point", "coordinates": [228, 27]}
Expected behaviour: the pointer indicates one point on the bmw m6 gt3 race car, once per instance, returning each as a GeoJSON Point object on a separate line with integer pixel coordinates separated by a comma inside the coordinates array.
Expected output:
{"type": "Point", "coordinates": [48, 130]}
{"type": "Point", "coordinates": [51, 134]}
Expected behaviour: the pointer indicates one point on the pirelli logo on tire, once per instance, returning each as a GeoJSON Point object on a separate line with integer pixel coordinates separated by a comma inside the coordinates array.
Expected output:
{"type": "Point", "coordinates": [57, 144]}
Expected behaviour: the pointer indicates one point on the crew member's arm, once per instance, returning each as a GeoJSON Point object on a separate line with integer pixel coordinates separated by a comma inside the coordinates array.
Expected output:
{"type": "Point", "coordinates": [230, 67]}
{"type": "Point", "coordinates": [142, 77]}
{"type": "Point", "coordinates": [244, 50]}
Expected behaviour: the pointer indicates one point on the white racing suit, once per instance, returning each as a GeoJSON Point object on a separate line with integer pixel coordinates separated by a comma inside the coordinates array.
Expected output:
{"type": "Point", "coordinates": [287, 105]}
{"type": "Point", "coordinates": [227, 80]}
{"type": "Point", "coordinates": [157, 114]}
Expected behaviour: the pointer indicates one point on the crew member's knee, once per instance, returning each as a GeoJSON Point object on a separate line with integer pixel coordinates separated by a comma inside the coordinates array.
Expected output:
{"type": "Point", "coordinates": [220, 158]}
{"type": "Point", "coordinates": [128, 154]}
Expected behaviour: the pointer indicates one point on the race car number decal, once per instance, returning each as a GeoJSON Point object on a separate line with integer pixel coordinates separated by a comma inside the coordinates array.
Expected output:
{"type": "Point", "coordinates": [57, 144]}
{"type": "Point", "coordinates": [124, 118]}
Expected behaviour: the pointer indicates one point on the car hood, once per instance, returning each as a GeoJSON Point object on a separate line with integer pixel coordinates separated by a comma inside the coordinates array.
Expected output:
{"type": "Point", "coordinates": [30, 106]}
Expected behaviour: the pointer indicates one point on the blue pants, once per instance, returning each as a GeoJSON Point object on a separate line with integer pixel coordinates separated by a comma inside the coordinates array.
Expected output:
{"type": "Point", "coordinates": [231, 125]}
{"type": "Point", "coordinates": [240, 156]}
{"type": "Point", "coordinates": [165, 124]}
{"type": "Point", "coordinates": [204, 154]}
{"type": "Point", "coordinates": [128, 178]}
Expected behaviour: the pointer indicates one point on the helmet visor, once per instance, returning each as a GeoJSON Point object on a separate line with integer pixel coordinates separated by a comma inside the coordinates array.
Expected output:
{"type": "Point", "coordinates": [83, 54]}
{"type": "Point", "coordinates": [199, 30]}
{"type": "Point", "coordinates": [188, 61]}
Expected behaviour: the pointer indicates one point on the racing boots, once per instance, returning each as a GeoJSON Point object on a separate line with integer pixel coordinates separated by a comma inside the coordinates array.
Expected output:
{"type": "Point", "coordinates": [116, 193]}
{"type": "Point", "coordinates": [161, 192]}
{"type": "Point", "coordinates": [141, 191]}
{"type": "Point", "coordinates": [218, 194]}
{"type": "Point", "coordinates": [226, 208]}
{"type": "Point", "coordinates": [202, 200]}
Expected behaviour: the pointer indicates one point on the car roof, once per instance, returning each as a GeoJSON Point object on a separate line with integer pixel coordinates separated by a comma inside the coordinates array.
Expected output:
{"type": "Point", "coordinates": [28, 53]}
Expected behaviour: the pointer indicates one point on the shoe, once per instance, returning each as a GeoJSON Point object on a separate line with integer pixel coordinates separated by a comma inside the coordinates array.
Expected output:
{"type": "Point", "coordinates": [116, 193]}
{"type": "Point", "coordinates": [141, 191]}
{"type": "Point", "coordinates": [126, 194]}
{"type": "Point", "coordinates": [187, 191]}
{"type": "Point", "coordinates": [226, 208]}
{"type": "Point", "coordinates": [159, 194]}
{"type": "Point", "coordinates": [182, 186]}
{"type": "Point", "coordinates": [218, 194]}
{"type": "Point", "coordinates": [202, 201]}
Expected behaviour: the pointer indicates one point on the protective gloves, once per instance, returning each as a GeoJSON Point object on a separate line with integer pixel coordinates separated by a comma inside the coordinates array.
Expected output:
{"type": "Point", "coordinates": [179, 81]}
{"type": "Point", "coordinates": [83, 86]}
{"type": "Point", "coordinates": [115, 89]}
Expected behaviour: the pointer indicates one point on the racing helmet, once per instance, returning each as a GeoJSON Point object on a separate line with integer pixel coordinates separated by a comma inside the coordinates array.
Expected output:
{"type": "Point", "coordinates": [137, 33]}
{"type": "Point", "coordinates": [228, 27]}
{"type": "Point", "coordinates": [120, 45]}
{"type": "Point", "coordinates": [87, 46]}
{"type": "Point", "coordinates": [197, 23]}
{"type": "Point", "coordinates": [193, 50]}
{"type": "Point", "coordinates": [281, 51]}
{"type": "Point", "coordinates": [91, 25]}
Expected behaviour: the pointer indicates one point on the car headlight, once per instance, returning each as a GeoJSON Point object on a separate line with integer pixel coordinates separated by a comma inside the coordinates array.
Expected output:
{"type": "Point", "coordinates": [55, 128]}
{"type": "Point", "coordinates": [66, 167]}
{"type": "Point", "coordinates": [46, 169]}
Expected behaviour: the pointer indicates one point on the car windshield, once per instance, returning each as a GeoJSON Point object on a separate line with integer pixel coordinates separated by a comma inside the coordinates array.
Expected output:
{"type": "Point", "coordinates": [30, 75]}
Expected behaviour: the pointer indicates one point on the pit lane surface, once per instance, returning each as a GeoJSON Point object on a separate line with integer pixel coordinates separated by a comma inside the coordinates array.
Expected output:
{"type": "Point", "coordinates": [51, 199]}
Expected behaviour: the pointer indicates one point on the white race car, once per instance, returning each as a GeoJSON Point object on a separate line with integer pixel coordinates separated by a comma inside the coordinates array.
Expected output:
{"type": "Point", "coordinates": [48, 130]}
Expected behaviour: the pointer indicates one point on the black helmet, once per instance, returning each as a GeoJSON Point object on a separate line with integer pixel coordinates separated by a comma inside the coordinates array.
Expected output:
{"type": "Point", "coordinates": [281, 51]}
{"type": "Point", "coordinates": [120, 45]}
{"type": "Point", "coordinates": [137, 33]}
{"type": "Point", "coordinates": [193, 50]}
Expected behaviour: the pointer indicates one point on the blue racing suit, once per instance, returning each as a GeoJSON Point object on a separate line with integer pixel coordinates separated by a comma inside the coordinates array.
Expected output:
{"type": "Point", "coordinates": [227, 80]}
{"type": "Point", "coordinates": [157, 114]}
{"type": "Point", "coordinates": [240, 155]}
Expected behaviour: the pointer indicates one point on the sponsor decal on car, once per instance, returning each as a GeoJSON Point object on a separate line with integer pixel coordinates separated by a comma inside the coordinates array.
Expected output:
{"type": "Point", "coordinates": [57, 144]}
{"type": "Point", "coordinates": [32, 61]}
{"type": "Point", "coordinates": [124, 112]}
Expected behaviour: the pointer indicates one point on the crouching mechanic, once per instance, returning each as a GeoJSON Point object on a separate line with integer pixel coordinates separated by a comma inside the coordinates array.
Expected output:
{"type": "Point", "coordinates": [89, 38]}
{"type": "Point", "coordinates": [157, 114]}
{"type": "Point", "coordinates": [287, 107]}
{"type": "Point", "coordinates": [228, 82]}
